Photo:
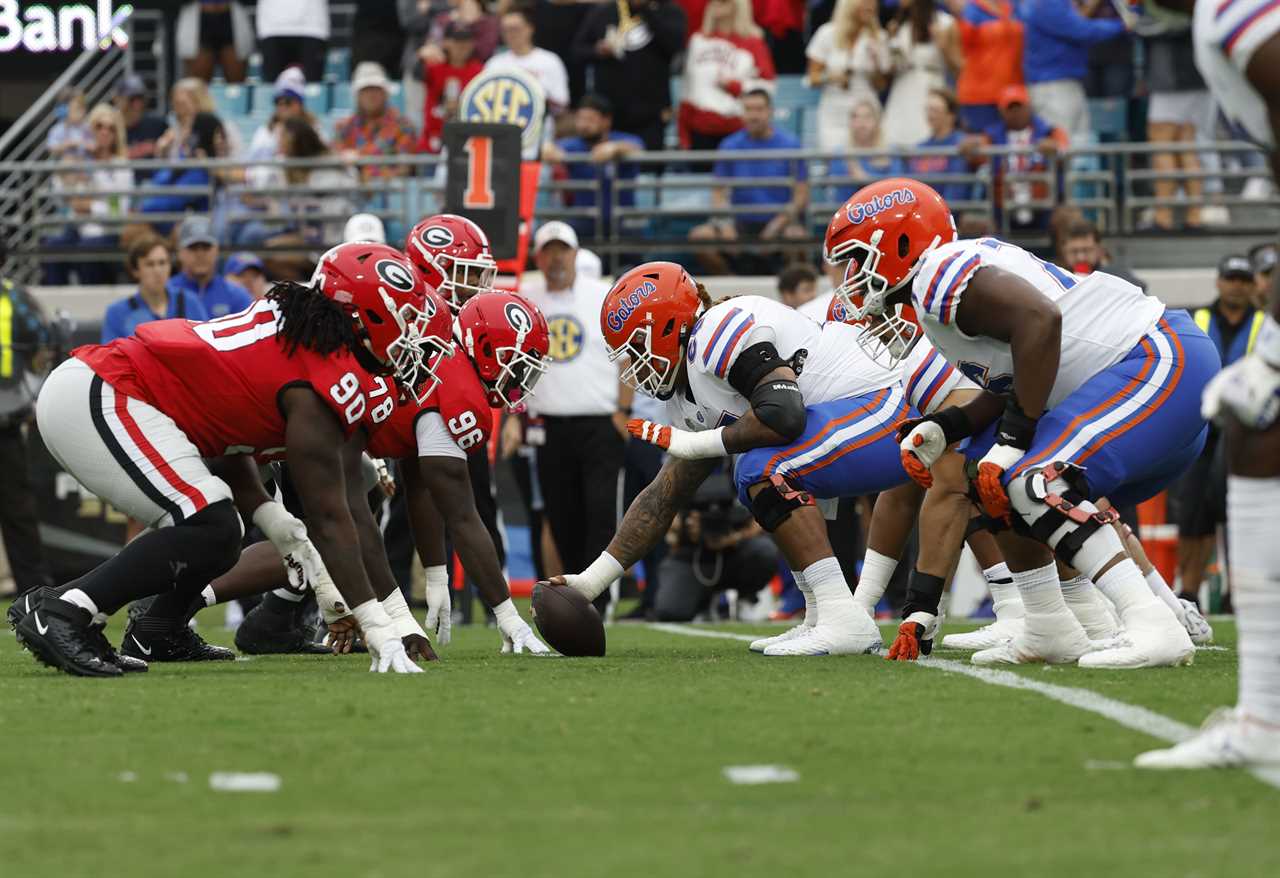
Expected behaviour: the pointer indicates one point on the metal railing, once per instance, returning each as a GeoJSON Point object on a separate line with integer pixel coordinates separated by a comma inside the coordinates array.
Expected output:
{"type": "Point", "coordinates": [651, 202]}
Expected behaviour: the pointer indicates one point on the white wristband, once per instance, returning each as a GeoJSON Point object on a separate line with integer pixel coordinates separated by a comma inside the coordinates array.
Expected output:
{"type": "Point", "coordinates": [505, 613]}
{"type": "Point", "coordinates": [437, 575]}
{"type": "Point", "coordinates": [697, 445]}
{"type": "Point", "coordinates": [401, 616]}
{"type": "Point", "coordinates": [278, 524]}
{"type": "Point", "coordinates": [1268, 344]}
{"type": "Point", "coordinates": [371, 614]}
{"type": "Point", "coordinates": [598, 576]}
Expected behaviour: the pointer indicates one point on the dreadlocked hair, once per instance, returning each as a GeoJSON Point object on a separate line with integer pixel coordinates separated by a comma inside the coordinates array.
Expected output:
{"type": "Point", "coordinates": [703, 296]}
{"type": "Point", "coordinates": [309, 320]}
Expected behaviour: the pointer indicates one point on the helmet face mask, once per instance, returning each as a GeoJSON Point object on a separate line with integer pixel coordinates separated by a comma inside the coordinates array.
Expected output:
{"type": "Point", "coordinates": [646, 372]}
{"type": "Point", "coordinates": [887, 338]}
{"type": "Point", "coordinates": [646, 320]}
{"type": "Point", "coordinates": [507, 340]}
{"type": "Point", "coordinates": [452, 252]}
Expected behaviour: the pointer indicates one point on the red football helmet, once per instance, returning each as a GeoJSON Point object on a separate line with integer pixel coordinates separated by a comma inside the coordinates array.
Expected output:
{"type": "Point", "coordinates": [507, 339]}
{"type": "Point", "coordinates": [452, 253]}
{"type": "Point", "coordinates": [647, 317]}
{"type": "Point", "coordinates": [885, 229]}
{"type": "Point", "coordinates": [401, 321]}
{"type": "Point", "coordinates": [885, 338]}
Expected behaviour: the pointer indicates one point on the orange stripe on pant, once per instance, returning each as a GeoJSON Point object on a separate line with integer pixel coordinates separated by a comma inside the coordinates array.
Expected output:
{"type": "Point", "coordinates": [899, 416]}
{"type": "Point", "coordinates": [832, 426]}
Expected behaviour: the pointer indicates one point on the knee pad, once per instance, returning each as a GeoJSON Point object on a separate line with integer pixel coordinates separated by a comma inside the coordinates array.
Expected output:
{"type": "Point", "coordinates": [214, 547]}
{"type": "Point", "coordinates": [1051, 507]}
{"type": "Point", "coordinates": [774, 504]}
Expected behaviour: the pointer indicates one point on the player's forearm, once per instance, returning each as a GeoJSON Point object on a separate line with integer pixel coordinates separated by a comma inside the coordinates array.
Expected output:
{"type": "Point", "coordinates": [373, 553]}
{"type": "Point", "coordinates": [1036, 347]}
{"type": "Point", "coordinates": [749, 432]}
{"type": "Point", "coordinates": [240, 472]}
{"type": "Point", "coordinates": [646, 521]}
{"type": "Point", "coordinates": [474, 545]}
{"type": "Point", "coordinates": [334, 536]}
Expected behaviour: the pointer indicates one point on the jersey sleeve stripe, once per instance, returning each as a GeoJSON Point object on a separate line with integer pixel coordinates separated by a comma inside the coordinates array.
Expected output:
{"type": "Point", "coordinates": [937, 279]}
{"type": "Point", "coordinates": [946, 311]}
{"type": "Point", "coordinates": [1234, 35]}
{"type": "Point", "coordinates": [722, 365]}
{"type": "Point", "coordinates": [940, 381]}
{"type": "Point", "coordinates": [715, 336]}
{"type": "Point", "coordinates": [914, 381]}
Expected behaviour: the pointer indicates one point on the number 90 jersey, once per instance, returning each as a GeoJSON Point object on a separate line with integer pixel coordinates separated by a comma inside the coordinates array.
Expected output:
{"type": "Point", "coordinates": [221, 380]}
{"type": "Point", "coordinates": [1103, 317]}
{"type": "Point", "coordinates": [454, 421]}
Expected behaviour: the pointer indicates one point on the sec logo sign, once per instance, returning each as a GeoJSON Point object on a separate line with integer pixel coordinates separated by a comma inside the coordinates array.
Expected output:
{"type": "Point", "coordinates": [507, 97]}
{"type": "Point", "coordinates": [566, 338]}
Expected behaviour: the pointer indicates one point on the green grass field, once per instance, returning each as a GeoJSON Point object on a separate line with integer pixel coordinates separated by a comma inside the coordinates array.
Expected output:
{"type": "Point", "coordinates": [493, 765]}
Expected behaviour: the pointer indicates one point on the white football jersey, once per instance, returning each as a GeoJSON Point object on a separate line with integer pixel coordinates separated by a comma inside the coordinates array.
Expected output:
{"type": "Point", "coordinates": [928, 379]}
{"type": "Point", "coordinates": [1226, 33]}
{"type": "Point", "coordinates": [834, 365]}
{"type": "Point", "coordinates": [1103, 317]}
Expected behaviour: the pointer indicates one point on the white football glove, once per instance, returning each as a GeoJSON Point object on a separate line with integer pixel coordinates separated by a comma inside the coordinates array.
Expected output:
{"type": "Point", "coordinates": [1249, 389]}
{"type": "Point", "coordinates": [601, 574]}
{"type": "Point", "coordinates": [333, 606]}
{"type": "Point", "coordinates": [517, 636]}
{"type": "Point", "coordinates": [684, 444]}
{"type": "Point", "coordinates": [921, 449]}
{"type": "Point", "coordinates": [289, 535]}
{"type": "Point", "coordinates": [386, 652]}
{"type": "Point", "coordinates": [439, 619]}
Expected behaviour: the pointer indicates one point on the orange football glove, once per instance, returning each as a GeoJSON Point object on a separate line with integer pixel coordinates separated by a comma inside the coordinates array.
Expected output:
{"type": "Point", "coordinates": [906, 646]}
{"type": "Point", "coordinates": [995, 500]}
{"type": "Point", "coordinates": [648, 431]}
{"type": "Point", "coordinates": [920, 474]}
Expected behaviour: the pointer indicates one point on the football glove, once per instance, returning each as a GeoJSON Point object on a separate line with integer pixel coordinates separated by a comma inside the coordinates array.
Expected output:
{"type": "Point", "coordinates": [439, 604]}
{"type": "Point", "coordinates": [1249, 389]}
{"type": "Point", "coordinates": [289, 535]}
{"type": "Point", "coordinates": [1014, 435]}
{"type": "Point", "coordinates": [386, 652]}
{"type": "Point", "coordinates": [411, 634]}
{"type": "Point", "coordinates": [517, 636]}
{"type": "Point", "coordinates": [684, 444]}
{"type": "Point", "coordinates": [915, 637]}
{"type": "Point", "coordinates": [922, 441]}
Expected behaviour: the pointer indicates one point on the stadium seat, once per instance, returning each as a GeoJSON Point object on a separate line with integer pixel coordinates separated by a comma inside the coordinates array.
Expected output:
{"type": "Point", "coordinates": [230, 100]}
{"type": "Point", "coordinates": [337, 64]}
{"type": "Point", "coordinates": [1109, 119]}
{"type": "Point", "coordinates": [340, 98]}
{"type": "Point", "coordinates": [397, 96]}
{"type": "Point", "coordinates": [315, 97]}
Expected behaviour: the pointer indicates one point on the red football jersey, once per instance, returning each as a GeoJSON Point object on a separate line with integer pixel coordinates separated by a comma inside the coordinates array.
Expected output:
{"type": "Point", "coordinates": [462, 402]}
{"type": "Point", "coordinates": [220, 380]}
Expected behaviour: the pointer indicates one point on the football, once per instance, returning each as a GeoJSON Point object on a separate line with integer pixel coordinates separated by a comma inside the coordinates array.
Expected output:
{"type": "Point", "coordinates": [567, 621]}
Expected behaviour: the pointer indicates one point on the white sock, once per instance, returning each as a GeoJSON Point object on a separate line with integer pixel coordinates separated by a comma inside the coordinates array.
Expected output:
{"type": "Point", "coordinates": [1126, 587]}
{"type": "Point", "coordinates": [209, 597]}
{"type": "Point", "coordinates": [830, 591]}
{"type": "Point", "coordinates": [80, 599]}
{"type": "Point", "coordinates": [1005, 602]}
{"type": "Point", "coordinates": [877, 570]}
{"type": "Point", "coordinates": [1040, 591]}
{"type": "Point", "coordinates": [810, 603]}
{"type": "Point", "coordinates": [1078, 590]}
{"type": "Point", "coordinates": [1255, 591]}
{"type": "Point", "coordinates": [1161, 589]}
{"type": "Point", "coordinates": [291, 596]}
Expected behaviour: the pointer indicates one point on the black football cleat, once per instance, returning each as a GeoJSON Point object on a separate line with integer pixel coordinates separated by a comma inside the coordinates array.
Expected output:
{"type": "Point", "coordinates": [126, 663]}
{"type": "Point", "coordinates": [279, 627]}
{"type": "Point", "coordinates": [179, 644]}
{"type": "Point", "coordinates": [61, 635]}
{"type": "Point", "coordinates": [18, 610]}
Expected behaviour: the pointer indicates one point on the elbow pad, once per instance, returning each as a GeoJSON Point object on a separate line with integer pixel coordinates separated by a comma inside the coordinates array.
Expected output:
{"type": "Point", "coordinates": [780, 406]}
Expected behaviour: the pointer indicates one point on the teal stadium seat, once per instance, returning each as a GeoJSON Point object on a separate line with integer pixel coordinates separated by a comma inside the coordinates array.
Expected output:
{"type": "Point", "coordinates": [230, 100]}
{"type": "Point", "coordinates": [1109, 119]}
{"type": "Point", "coordinates": [337, 65]}
{"type": "Point", "coordinates": [315, 97]}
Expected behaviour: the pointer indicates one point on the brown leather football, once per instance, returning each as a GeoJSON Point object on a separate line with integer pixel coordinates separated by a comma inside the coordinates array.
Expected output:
{"type": "Point", "coordinates": [567, 621]}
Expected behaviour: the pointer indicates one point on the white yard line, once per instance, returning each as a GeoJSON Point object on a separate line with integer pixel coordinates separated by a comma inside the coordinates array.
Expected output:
{"type": "Point", "coordinates": [1140, 719]}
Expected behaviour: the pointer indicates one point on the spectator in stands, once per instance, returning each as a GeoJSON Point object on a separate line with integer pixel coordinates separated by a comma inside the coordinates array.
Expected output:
{"type": "Point", "coordinates": [188, 97]}
{"type": "Point", "coordinates": [1020, 127]}
{"type": "Point", "coordinates": [376, 127]}
{"type": "Point", "coordinates": [1056, 58]}
{"type": "Point", "coordinates": [1080, 249]}
{"type": "Point", "coordinates": [631, 60]}
{"type": "Point", "coordinates": [142, 129]}
{"type": "Point", "coordinates": [1179, 105]}
{"type": "Point", "coordinates": [594, 136]}
{"type": "Point", "coordinates": [206, 139]}
{"type": "Point", "coordinates": [1232, 322]}
{"type": "Point", "coordinates": [70, 135]}
{"type": "Point", "coordinates": [377, 35]}
{"type": "Point", "coordinates": [797, 285]}
{"type": "Point", "coordinates": [724, 58]}
{"type": "Point", "coordinates": [198, 270]}
{"type": "Point", "coordinates": [287, 100]}
{"type": "Point", "coordinates": [149, 264]}
{"type": "Point", "coordinates": [247, 270]}
{"type": "Point", "coordinates": [991, 38]}
{"type": "Point", "coordinates": [105, 197]}
{"type": "Point", "coordinates": [781, 207]}
{"type": "Point", "coordinates": [924, 48]}
{"type": "Point", "coordinates": [849, 60]}
{"type": "Point", "coordinates": [941, 115]}
{"type": "Point", "coordinates": [446, 70]}
{"type": "Point", "coordinates": [784, 27]}
{"type": "Point", "coordinates": [557, 23]}
{"type": "Point", "coordinates": [293, 33]}
{"type": "Point", "coordinates": [213, 35]}
{"type": "Point", "coordinates": [865, 134]}
{"type": "Point", "coordinates": [517, 31]}
{"type": "Point", "coordinates": [1264, 260]}
{"type": "Point", "coordinates": [1111, 72]}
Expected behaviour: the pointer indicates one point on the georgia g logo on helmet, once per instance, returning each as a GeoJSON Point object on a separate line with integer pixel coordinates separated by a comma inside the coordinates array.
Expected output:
{"type": "Point", "coordinates": [437, 236]}
{"type": "Point", "coordinates": [518, 317]}
{"type": "Point", "coordinates": [397, 275]}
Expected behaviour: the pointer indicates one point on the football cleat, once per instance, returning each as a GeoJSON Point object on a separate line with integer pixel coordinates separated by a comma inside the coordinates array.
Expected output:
{"type": "Point", "coordinates": [1228, 739]}
{"type": "Point", "coordinates": [852, 632]}
{"type": "Point", "coordinates": [277, 627]}
{"type": "Point", "coordinates": [765, 642]}
{"type": "Point", "coordinates": [18, 610]}
{"type": "Point", "coordinates": [126, 663]}
{"type": "Point", "coordinates": [179, 644]}
{"type": "Point", "coordinates": [1094, 616]}
{"type": "Point", "coordinates": [1054, 639]}
{"type": "Point", "coordinates": [1152, 638]}
{"type": "Point", "coordinates": [998, 632]}
{"type": "Point", "coordinates": [60, 635]}
{"type": "Point", "coordinates": [1198, 627]}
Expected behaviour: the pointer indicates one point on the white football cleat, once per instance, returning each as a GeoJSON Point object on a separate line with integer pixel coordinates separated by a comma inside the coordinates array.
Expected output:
{"type": "Point", "coordinates": [1055, 639]}
{"type": "Point", "coordinates": [850, 633]}
{"type": "Point", "coordinates": [998, 632]}
{"type": "Point", "coordinates": [765, 642]}
{"type": "Point", "coordinates": [1095, 617]}
{"type": "Point", "coordinates": [1226, 740]}
{"type": "Point", "coordinates": [1152, 638]}
{"type": "Point", "coordinates": [1198, 627]}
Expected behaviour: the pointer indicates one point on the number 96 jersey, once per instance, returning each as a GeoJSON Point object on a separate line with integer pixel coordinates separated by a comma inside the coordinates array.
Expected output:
{"type": "Point", "coordinates": [454, 421]}
{"type": "Point", "coordinates": [220, 380]}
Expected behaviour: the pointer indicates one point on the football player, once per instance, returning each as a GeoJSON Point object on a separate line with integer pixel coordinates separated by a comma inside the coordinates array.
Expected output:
{"type": "Point", "coordinates": [453, 255]}
{"type": "Point", "coordinates": [1237, 46]}
{"type": "Point", "coordinates": [801, 405]}
{"type": "Point", "coordinates": [1077, 372]}
{"type": "Point", "coordinates": [294, 375]}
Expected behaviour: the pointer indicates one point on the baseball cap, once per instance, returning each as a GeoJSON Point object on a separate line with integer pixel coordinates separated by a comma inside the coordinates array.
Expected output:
{"type": "Point", "coordinates": [555, 231]}
{"type": "Point", "coordinates": [290, 84]}
{"type": "Point", "coordinates": [131, 86]}
{"type": "Point", "coordinates": [1235, 266]}
{"type": "Point", "coordinates": [364, 227]}
{"type": "Point", "coordinates": [1013, 94]}
{"type": "Point", "coordinates": [459, 30]}
{"type": "Point", "coordinates": [369, 74]}
{"type": "Point", "coordinates": [1264, 260]}
{"type": "Point", "coordinates": [196, 229]}
{"type": "Point", "coordinates": [238, 263]}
